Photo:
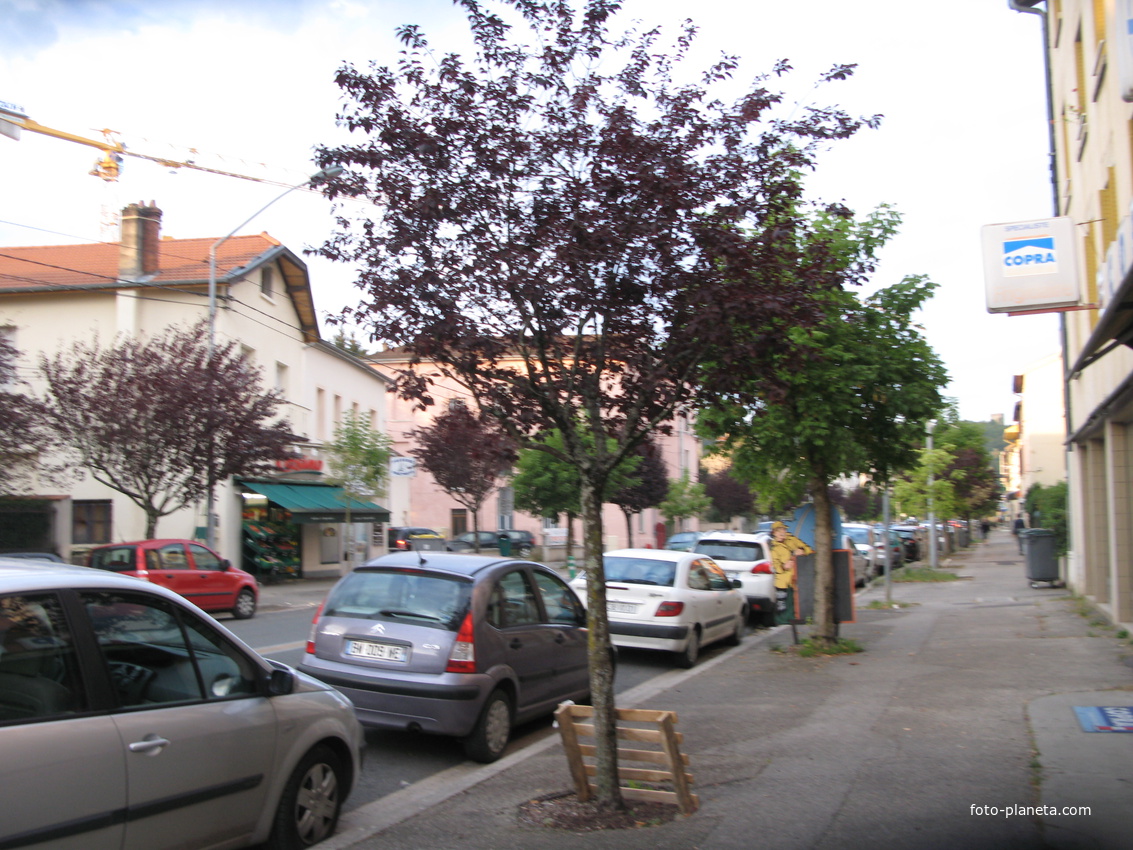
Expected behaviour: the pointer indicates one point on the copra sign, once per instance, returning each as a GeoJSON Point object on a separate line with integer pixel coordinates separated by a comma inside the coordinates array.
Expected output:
{"type": "Point", "coordinates": [1031, 266]}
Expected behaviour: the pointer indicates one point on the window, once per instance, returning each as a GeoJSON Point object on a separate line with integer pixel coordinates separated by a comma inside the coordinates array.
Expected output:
{"type": "Point", "coordinates": [267, 282]}
{"type": "Point", "coordinates": [281, 377]}
{"type": "Point", "coordinates": [38, 670]}
{"type": "Point", "coordinates": [156, 654]}
{"type": "Point", "coordinates": [512, 602]}
{"type": "Point", "coordinates": [559, 601]}
{"type": "Point", "coordinates": [91, 520]}
{"type": "Point", "coordinates": [169, 557]}
{"type": "Point", "coordinates": [205, 559]}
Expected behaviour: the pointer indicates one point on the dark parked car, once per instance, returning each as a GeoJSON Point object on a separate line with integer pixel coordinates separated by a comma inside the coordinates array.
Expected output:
{"type": "Point", "coordinates": [130, 719]}
{"type": "Point", "coordinates": [451, 644]}
{"type": "Point", "coordinates": [404, 538]}
{"type": "Point", "coordinates": [522, 542]}
{"type": "Point", "coordinates": [195, 571]}
{"type": "Point", "coordinates": [910, 539]}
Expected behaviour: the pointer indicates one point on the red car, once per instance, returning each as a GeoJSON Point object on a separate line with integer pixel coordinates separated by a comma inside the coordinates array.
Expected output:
{"type": "Point", "coordinates": [185, 567]}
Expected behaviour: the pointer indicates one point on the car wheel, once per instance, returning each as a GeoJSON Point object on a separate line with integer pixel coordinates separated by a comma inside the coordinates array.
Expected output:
{"type": "Point", "coordinates": [493, 730]}
{"type": "Point", "coordinates": [312, 799]}
{"type": "Point", "coordinates": [687, 656]}
{"type": "Point", "coordinates": [245, 606]}
{"type": "Point", "coordinates": [737, 635]}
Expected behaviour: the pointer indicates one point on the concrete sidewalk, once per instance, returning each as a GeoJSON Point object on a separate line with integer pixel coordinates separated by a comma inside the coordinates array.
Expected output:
{"type": "Point", "coordinates": [957, 716]}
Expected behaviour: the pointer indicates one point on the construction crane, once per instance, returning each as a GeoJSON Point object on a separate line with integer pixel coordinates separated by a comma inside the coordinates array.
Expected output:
{"type": "Point", "coordinates": [109, 165]}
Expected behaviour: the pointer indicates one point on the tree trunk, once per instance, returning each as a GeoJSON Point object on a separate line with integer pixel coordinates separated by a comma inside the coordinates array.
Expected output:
{"type": "Point", "coordinates": [825, 629]}
{"type": "Point", "coordinates": [629, 529]}
{"type": "Point", "coordinates": [609, 795]}
{"type": "Point", "coordinates": [151, 523]}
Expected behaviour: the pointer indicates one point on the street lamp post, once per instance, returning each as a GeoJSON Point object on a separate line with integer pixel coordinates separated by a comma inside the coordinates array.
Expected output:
{"type": "Point", "coordinates": [933, 539]}
{"type": "Point", "coordinates": [321, 174]}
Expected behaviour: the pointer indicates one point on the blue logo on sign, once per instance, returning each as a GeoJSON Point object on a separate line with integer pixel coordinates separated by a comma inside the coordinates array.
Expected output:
{"type": "Point", "coordinates": [1035, 255]}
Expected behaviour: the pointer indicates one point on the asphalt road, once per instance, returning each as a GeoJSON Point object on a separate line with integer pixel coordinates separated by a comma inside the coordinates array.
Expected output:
{"type": "Point", "coordinates": [396, 760]}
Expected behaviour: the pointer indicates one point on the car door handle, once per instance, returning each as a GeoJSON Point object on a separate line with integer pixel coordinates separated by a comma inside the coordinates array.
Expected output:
{"type": "Point", "coordinates": [516, 643]}
{"type": "Point", "coordinates": [151, 745]}
{"type": "Point", "coordinates": [560, 637]}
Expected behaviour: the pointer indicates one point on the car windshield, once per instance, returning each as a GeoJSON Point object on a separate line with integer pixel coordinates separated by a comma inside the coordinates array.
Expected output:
{"type": "Point", "coordinates": [858, 535]}
{"type": "Point", "coordinates": [640, 571]}
{"type": "Point", "coordinates": [405, 596]}
{"type": "Point", "coordinates": [730, 550]}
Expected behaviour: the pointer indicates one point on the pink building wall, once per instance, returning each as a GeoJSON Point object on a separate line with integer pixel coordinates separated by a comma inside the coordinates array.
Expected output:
{"type": "Point", "coordinates": [429, 506]}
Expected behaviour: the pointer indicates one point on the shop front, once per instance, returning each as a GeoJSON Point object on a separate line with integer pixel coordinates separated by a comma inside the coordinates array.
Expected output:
{"type": "Point", "coordinates": [303, 529]}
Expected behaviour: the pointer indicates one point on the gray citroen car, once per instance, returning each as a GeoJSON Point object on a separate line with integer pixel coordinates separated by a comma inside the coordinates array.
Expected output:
{"type": "Point", "coordinates": [451, 644]}
{"type": "Point", "coordinates": [129, 718]}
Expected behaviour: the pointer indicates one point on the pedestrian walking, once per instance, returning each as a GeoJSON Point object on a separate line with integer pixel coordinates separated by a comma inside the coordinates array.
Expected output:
{"type": "Point", "coordinates": [1017, 530]}
{"type": "Point", "coordinates": [985, 527]}
{"type": "Point", "coordinates": [785, 547]}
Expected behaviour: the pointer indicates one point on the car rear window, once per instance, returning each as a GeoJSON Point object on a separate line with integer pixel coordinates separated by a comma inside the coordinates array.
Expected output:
{"type": "Point", "coordinates": [730, 550]}
{"type": "Point", "coordinates": [116, 559]}
{"type": "Point", "coordinates": [403, 596]}
{"type": "Point", "coordinates": [640, 571]}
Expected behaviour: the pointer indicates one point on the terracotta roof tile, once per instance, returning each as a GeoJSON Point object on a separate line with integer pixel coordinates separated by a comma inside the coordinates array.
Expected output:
{"type": "Point", "coordinates": [44, 267]}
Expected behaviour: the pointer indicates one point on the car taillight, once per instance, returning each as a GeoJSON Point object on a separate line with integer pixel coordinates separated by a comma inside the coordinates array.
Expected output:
{"type": "Point", "coordinates": [462, 659]}
{"type": "Point", "coordinates": [401, 544]}
{"type": "Point", "coordinates": [314, 626]}
{"type": "Point", "coordinates": [670, 609]}
{"type": "Point", "coordinates": [762, 567]}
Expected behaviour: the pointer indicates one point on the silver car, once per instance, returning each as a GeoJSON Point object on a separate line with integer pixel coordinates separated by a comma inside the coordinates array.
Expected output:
{"type": "Point", "coordinates": [129, 718]}
{"type": "Point", "coordinates": [452, 644]}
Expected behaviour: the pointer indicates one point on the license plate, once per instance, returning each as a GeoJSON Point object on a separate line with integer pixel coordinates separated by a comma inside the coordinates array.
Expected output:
{"type": "Point", "coordinates": [380, 651]}
{"type": "Point", "coordinates": [620, 608]}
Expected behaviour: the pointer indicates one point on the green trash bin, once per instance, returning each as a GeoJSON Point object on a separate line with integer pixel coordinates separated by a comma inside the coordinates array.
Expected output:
{"type": "Point", "coordinates": [1038, 550]}
{"type": "Point", "coordinates": [505, 545]}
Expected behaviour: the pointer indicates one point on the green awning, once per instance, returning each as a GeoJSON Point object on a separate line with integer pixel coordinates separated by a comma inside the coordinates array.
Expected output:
{"type": "Point", "coordinates": [318, 502]}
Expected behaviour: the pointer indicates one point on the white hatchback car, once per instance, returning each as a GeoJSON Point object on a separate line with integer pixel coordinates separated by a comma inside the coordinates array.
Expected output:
{"type": "Point", "coordinates": [129, 718]}
{"type": "Point", "coordinates": [747, 559]}
{"type": "Point", "coordinates": [669, 600]}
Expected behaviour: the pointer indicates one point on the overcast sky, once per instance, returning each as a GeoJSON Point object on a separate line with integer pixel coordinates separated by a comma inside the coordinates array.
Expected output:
{"type": "Point", "coordinates": [247, 86]}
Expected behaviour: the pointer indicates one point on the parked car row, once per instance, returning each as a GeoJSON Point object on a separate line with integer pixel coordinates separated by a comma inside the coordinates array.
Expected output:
{"type": "Point", "coordinates": [427, 540]}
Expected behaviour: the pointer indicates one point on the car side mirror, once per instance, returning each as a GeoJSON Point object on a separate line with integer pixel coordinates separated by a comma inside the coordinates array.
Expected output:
{"type": "Point", "coordinates": [225, 565]}
{"type": "Point", "coordinates": [736, 583]}
{"type": "Point", "coordinates": [280, 683]}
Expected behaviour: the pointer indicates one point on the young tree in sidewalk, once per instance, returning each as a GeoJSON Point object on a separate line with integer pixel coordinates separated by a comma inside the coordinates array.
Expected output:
{"type": "Point", "coordinates": [567, 228]}
{"type": "Point", "coordinates": [857, 403]}
{"type": "Point", "coordinates": [685, 499]}
{"type": "Point", "coordinates": [466, 454]}
{"type": "Point", "coordinates": [646, 487]}
{"type": "Point", "coordinates": [359, 464]}
{"type": "Point", "coordinates": [159, 420]}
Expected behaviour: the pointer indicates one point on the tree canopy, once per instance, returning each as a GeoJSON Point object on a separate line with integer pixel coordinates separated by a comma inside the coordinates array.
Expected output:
{"type": "Point", "coordinates": [159, 419]}
{"type": "Point", "coordinates": [466, 454]}
{"type": "Point", "coordinates": [857, 403]}
{"type": "Point", "coordinates": [568, 229]}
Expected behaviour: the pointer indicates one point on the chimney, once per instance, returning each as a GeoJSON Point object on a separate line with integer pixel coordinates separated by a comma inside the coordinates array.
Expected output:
{"type": "Point", "coordinates": [141, 235]}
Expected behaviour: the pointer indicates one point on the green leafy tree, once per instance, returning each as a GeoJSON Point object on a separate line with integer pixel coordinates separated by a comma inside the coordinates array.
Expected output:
{"type": "Point", "coordinates": [857, 403]}
{"type": "Point", "coordinates": [729, 496]}
{"type": "Point", "coordinates": [567, 228]}
{"type": "Point", "coordinates": [1047, 508]}
{"type": "Point", "coordinates": [972, 470]}
{"type": "Point", "coordinates": [546, 485]}
{"type": "Point", "coordinates": [685, 499]}
{"type": "Point", "coordinates": [358, 459]}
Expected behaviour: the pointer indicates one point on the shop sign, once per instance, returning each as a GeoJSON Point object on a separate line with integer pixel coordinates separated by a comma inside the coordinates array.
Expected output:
{"type": "Point", "coordinates": [300, 464]}
{"type": "Point", "coordinates": [403, 467]}
{"type": "Point", "coordinates": [1031, 266]}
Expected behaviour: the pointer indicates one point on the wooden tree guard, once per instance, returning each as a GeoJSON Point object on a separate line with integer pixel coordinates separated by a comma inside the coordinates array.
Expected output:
{"type": "Point", "coordinates": [669, 763]}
